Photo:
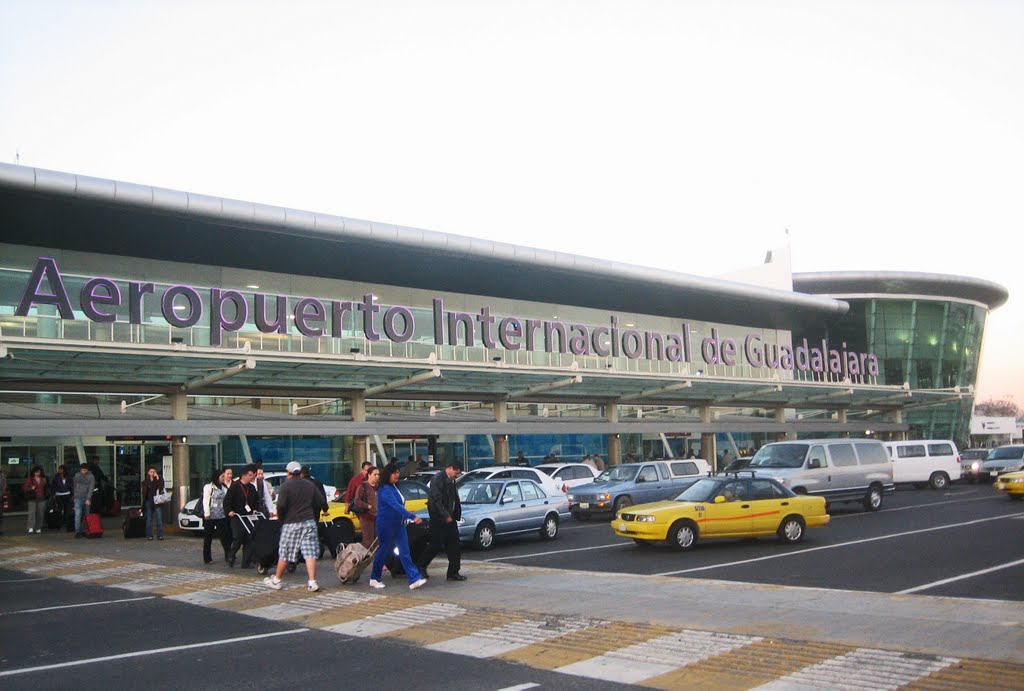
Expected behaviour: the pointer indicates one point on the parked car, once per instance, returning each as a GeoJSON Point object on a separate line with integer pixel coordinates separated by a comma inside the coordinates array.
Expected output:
{"type": "Point", "coordinates": [424, 476]}
{"type": "Point", "coordinates": [569, 475]}
{"type": "Point", "coordinates": [932, 462]}
{"type": "Point", "coordinates": [275, 480]}
{"type": "Point", "coordinates": [619, 486]}
{"type": "Point", "coordinates": [1002, 459]}
{"type": "Point", "coordinates": [1012, 484]}
{"type": "Point", "coordinates": [508, 472]}
{"type": "Point", "coordinates": [414, 493]}
{"type": "Point", "coordinates": [837, 469]}
{"type": "Point", "coordinates": [494, 509]}
{"type": "Point", "coordinates": [970, 463]}
{"type": "Point", "coordinates": [724, 506]}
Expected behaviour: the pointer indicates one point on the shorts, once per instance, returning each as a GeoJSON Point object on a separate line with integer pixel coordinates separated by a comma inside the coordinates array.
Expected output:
{"type": "Point", "coordinates": [296, 538]}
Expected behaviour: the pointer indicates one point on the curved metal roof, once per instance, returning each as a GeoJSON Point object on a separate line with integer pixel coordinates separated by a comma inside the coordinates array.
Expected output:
{"type": "Point", "coordinates": [848, 283]}
{"type": "Point", "coordinates": [64, 210]}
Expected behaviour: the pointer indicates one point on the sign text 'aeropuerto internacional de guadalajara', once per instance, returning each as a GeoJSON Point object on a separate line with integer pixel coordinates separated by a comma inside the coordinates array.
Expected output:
{"type": "Point", "coordinates": [182, 306]}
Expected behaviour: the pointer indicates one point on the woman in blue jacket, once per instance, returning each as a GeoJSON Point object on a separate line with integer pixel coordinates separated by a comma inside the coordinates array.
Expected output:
{"type": "Point", "coordinates": [391, 519]}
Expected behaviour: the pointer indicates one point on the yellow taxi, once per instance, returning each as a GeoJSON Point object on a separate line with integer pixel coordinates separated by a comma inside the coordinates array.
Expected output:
{"type": "Point", "coordinates": [724, 506]}
{"type": "Point", "coordinates": [1012, 484]}
{"type": "Point", "coordinates": [415, 494]}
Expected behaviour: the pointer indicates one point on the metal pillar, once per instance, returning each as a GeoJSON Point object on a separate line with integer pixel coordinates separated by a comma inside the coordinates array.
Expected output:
{"type": "Point", "coordinates": [708, 447]}
{"type": "Point", "coordinates": [611, 413]}
{"type": "Point", "coordinates": [179, 456]}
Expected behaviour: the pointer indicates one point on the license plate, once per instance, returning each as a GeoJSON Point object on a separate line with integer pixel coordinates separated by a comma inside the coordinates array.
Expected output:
{"type": "Point", "coordinates": [584, 505]}
{"type": "Point", "coordinates": [622, 527]}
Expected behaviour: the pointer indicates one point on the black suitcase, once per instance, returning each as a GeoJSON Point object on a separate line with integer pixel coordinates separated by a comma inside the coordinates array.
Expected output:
{"type": "Point", "coordinates": [334, 535]}
{"type": "Point", "coordinates": [134, 524]}
{"type": "Point", "coordinates": [419, 541]}
{"type": "Point", "coordinates": [54, 516]}
{"type": "Point", "coordinates": [266, 536]}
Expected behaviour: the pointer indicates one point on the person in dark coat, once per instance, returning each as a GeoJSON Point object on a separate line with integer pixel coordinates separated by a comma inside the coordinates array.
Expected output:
{"type": "Point", "coordinates": [365, 501]}
{"type": "Point", "coordinates": [241, 500]}
{"type": "Point", "coordinates": [61, 491]}
{"type": "Point", "coordinates": [36, 489]}
{"type": "Point", "coordinates": [445, 513]}
{"type": "Point", "coordinates": [153, 511]}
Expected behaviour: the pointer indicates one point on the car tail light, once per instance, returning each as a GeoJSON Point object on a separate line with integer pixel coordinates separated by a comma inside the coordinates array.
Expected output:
{"type": "Point", "coordinates": [565, 487]}
{"type": "Point", "coordinates": [337, 494]}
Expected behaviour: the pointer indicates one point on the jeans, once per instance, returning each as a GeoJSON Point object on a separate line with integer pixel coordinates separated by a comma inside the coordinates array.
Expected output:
{"type": "Point", "coordinates": [80, 510]}
{"type": "Point", "coordinates": [154, 514]}
{"type": "Point", "coordinates": [389, 535]}
{"type": "Point", "coordinates": [36, 514]}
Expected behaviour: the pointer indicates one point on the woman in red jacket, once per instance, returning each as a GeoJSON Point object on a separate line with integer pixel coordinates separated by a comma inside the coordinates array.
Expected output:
{"type": "Point", "coordinates": [36, 491]}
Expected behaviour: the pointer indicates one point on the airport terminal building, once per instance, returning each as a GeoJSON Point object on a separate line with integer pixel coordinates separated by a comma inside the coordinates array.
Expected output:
{"type": "Point", "coordinates": [145, 326]}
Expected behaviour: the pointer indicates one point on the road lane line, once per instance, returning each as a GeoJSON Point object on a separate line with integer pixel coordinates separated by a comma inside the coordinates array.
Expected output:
{"type": "Point", "coordinates": [143, 653]}
{"type": "Point", "coordinates": [783, 555]}
{"type": "Point", "coordinates": [915, 507]}
{"type": "Point", "coordinates": [944, 581]}
{"type": "Point", "coordinates": [521, 687]}
{"type": "Point", "coordinates": [82, 604]}
{"type": "Point", "coordinates": [24, 580]}
{"type": "Point", "coordinates": [558, 551]}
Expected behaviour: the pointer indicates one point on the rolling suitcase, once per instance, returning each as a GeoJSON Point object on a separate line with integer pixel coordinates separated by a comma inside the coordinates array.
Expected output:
{"type": "Point", "coordinates": [54, 516]}
{"type": "Point", "coordinates": [419, 541]}
{"type": "Point", "coordinates": [92, 526]}
{"type": "Point", "coordinates": [353, 560]}
{"type": "Point", "coordinates": [333, 536]}
{"type": "Point", "coordinates": [134, 524]}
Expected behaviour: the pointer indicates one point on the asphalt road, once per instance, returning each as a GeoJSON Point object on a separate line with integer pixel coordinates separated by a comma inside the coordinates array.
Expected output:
{"type": "Point", "coordinates": [965, 541]}
{"type": "Point", "coordinates": [61, 635]}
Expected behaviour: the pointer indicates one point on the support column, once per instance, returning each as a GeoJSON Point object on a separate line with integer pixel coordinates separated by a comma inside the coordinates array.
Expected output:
{"type": "Point", "coordinates": [611, 413]}
{"type": "Point", "coordinates": [780, 418]}
{"type": "Point", "coordinates": [841, 418]}
{"type": "Point", "coordinates": [179, 458]}
{"type": "Point", "coordinates": [360, 442]}
{"type": "Point", "coordinates": [501, 449]}
{"type": "Point", "coordinates": [897, 417]}
{"type": "Point", "coordinates": [708, 447]}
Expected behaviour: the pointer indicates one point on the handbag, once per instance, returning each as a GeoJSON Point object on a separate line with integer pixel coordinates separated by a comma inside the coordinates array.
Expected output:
{"type": "Point", "coordinates": [161, 497]}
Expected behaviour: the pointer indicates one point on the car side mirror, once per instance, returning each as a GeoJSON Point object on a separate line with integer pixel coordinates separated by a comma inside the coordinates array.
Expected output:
{"type": "Point", "coordinates": [719, 499]}
{"type": "Point", "coordinates": [813, 463]}
{"type": "Point", "coordinates": [641, 479]}
{"type": "Point", "coordinates": [506, 500]}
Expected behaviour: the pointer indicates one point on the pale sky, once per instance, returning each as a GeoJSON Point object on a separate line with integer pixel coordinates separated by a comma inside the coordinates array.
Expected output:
{"type": "Point", "coordinates": [680, 135]}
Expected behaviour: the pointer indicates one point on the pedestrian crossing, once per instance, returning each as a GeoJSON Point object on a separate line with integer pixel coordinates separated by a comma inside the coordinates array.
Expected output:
{"type": "Point", "coordinates": [628, 653]}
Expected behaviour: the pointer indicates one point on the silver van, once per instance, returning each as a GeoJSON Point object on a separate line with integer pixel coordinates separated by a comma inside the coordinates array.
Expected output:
{"type": "Point", "coordinates": [837, 469]}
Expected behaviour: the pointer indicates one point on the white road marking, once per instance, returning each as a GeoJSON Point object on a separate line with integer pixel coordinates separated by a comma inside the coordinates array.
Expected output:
{"type": "Point", "coordinates": [397, 620]}
{"type": "Point", "coordinates": [232, 591]}
{"type": "Point", "coordinates": [142, 653]}
{"type": "Point", "coordinates": [558, 551]}
{"type": "Point", "coordinates": [74, 563]}
{"type": "Point", "coordinates": [657, 656]}
{"type": "Point", "coordinates": [24, 580]}
{"type": "Point", "coordinates": [166, 579]}
{"type": "Point", "coordinates": [15, 550]}
{"type": "Point", "coordinates": [962, 577]}
{"type": "Point", "coordinates": [521, 687]}
{"type": "Point", "coordinates": [81, 604]}
{"type": "Point", "coordinates": [859, 514]}
{"type": "Point", "coordinates": [518, 634]}
{"type": "Point", "coordinates": [18, 559]}
{"type": "Point", "coordinates": [862, 668]}
{"type": "Point", "coordinates": [122, 570]}
{"type": "Point", "coordinates": [311, 605]}
{"type": "Point", "coordinates": [796, 553]}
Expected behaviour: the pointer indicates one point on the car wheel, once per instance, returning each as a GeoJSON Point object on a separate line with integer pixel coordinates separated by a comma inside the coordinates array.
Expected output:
{"type": "Point", "coordinates": [622, 502]}
{"type": "Point", "coordinates": [549, 531]}
{"type": "Point", "coordinates": [791, 530]}
{"type": "Point", "coordinates": [682, 535]}
{"type": "Point", "coordinates": [873, 499]}
{"type": "Point", "coordinates": [483, 538]}
{"type": "Point", "coordinates": [939, 480]}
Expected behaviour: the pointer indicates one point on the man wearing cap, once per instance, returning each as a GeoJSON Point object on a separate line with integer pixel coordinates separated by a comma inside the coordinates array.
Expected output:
{"type": "Point", "coordinates": [299, 504]}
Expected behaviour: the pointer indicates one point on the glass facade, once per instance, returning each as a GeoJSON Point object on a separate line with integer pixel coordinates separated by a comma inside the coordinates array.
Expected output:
{"type": "Point", "coordinates": [926, 343]}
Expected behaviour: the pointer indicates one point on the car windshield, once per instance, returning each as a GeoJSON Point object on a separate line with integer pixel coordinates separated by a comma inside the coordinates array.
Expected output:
{"type": "Point", "coordinates": [480, 492]}
{"type": "Point", "coordinates": [779, 456]}
{"type": "Point", "coordinates": [701, 490]}
{"type": "Point", "coordinates": [618, 473]}
{"type": "Point", "coordinates": [1005, 453]}
{"type": "Point", "coordinates": [472, 476]}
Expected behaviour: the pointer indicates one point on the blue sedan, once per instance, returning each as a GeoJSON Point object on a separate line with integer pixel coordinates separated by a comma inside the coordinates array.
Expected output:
{"type": "Point", "coordinates": [496, 508]}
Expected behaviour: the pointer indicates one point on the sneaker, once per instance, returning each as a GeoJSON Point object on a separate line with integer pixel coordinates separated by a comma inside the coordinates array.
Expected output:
{"type": "Point", "coordinates": [39, 530]}
{"type": "Point", "coordinates": [272, 582]}
{"type": "Point", "coordinates": [418, 584]}
{"type": "Point", "coordinates": [312, 587]}
{"type": "Point", "coordinates": [29, 531]}
{"type": "Point", "coordinates": [376, 584]}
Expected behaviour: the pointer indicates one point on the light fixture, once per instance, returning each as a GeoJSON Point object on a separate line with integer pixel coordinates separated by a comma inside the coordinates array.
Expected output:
{"type": "Point", "coordinates": [353, 350]}
{"type": "Point", "coordinates": [177, 339]}
{"type": "Point", "coordinates": [253, 287]}
{"type": "Point", "coordinates": [497, 358]}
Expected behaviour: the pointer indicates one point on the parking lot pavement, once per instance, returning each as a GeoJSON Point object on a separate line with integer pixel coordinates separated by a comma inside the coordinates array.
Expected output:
{"type": "Point", "coordinates": [647, 630]}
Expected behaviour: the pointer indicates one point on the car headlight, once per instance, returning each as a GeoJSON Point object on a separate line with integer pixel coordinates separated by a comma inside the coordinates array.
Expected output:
{"type": "Point", "coordinates": [976, 466]}
{"type": "Point", "coordinates": [645, 519]}
{"type": "Point", "coordinates": [604, 497]}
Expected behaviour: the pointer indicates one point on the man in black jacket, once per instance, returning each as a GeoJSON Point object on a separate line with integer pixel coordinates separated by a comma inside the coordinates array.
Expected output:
{"type": "Point", "coordinates": [445, 513]}
{"type": "Point", "coordinates": [241, 499]}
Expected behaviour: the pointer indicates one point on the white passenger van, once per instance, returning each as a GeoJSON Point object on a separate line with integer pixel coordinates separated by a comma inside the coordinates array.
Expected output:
{"type": "Point", "coordinates": [932, 461]}
{"type": "Point", "coordinates": [837, 469]}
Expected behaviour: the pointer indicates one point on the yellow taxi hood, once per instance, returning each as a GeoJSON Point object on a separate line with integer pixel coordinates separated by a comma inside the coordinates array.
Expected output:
{"type": "Point", "coordinates": [657, 507]}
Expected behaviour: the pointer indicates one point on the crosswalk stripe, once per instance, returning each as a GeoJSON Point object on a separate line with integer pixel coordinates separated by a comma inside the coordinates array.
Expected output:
{"type": "Point", "coordinates": [23, 558]}
{"type": "Point", "coordinates": [232, 591]}
{"type": "Point", "coordinates": [397, 620]}
{"type": "Point", "coordinates": [73, 564]}
{"type": "Point", "coordinates": [163, 580]}
{"type": "Point", "coordinates": [310, 605]}
{"type": "Point", "coordinates": [121, 570]}
{"type": "Point", "coordinates": [864, 667]}
{"type": "Point", "coordinates": [657, 656]}
{"type": "Point", "coordinates": [509, 637]}
{"type": "Point", "coordinates": [15, 550]}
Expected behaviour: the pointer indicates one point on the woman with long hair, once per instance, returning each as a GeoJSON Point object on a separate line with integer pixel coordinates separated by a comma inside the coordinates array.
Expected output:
{"type": "Point", "coordinates": [211, 508]}
{"type": "Point", "coordinates": [365, 501]}
{"type": "Point", "coordinates": [36, 491]}
{"type": "Point", "coordinates": [391, 519]}
{"type": "Point", "coordinates": [61, 490]}
{"type": "Point", "coordinates": [153, 511]}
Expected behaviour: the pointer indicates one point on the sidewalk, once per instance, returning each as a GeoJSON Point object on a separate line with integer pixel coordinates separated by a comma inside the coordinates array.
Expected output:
{"type": "Point", "coordinates": [660, 631]}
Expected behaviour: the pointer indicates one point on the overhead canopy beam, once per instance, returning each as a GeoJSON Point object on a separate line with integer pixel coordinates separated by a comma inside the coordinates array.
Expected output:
{"type": "Point", "coordinates": [657, 392]}
{"type": "Point", "coordinates": [408, 381]}
{"type": "Point", "coordinates": [550, 386]}
{"type": "Point", "coordinates": [890, 399]}
{"type": "Point", "coordinates": [199, 382]}
{"type": "Point", "coordinates": [939, 401]}
{"type": "Point", "coordinates": [754, 393]}
{"type": "Point", "coordinates": [823, 397]}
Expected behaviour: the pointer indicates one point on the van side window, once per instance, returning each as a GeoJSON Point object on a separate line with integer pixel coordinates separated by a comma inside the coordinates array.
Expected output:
{"type": "Point", "coordinates": [842, 454]}
{"type": "Point", "coordinates": [910, 451]}
{"type": "Point", "coordinates": [940, 450]}
{"type": "Point", "coordinates": [871, 453]}
{"type": "Point", "coordinates": [817, 452]}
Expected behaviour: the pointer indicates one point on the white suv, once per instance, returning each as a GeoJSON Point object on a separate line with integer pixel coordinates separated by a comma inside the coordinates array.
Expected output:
{"type": "Point", "coordinates": [569, 475]}
{"type": "Point", "coordinates": [507, 472]}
